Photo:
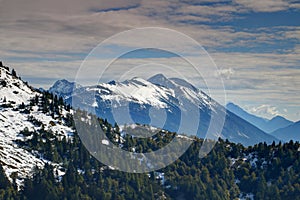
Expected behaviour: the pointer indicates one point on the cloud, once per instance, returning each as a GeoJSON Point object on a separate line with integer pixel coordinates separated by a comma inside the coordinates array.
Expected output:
{"type": "Point", "coordinates": [17, 9]}
{"type": "Point", "coordinates": [203, 10]}
{"type": "Point", "coordinates": [226, 73]}
{"type": "Point", "coordinates": [40, 38]}
{"type": "Point", "coordinates": [52, 26]}
{"type": "Point", "coordinates": [293, 34]}
{"type": "Point", "coordinates": [265, 110]}
{"type": "Point", "coordinates": [264, 6]}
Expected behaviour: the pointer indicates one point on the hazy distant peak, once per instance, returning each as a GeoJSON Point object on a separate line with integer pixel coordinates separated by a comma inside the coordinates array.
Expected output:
{"type": "Point", "coordinates": [277, 118]}
{"type": "Point", "coordinates": [264, 124]}
{"type": "Point", "coordinates": [63, 87]}
{"type": "Point", "coordinates": [158, 77]}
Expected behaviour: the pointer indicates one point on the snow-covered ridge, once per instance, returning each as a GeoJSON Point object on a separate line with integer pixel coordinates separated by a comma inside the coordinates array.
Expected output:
{"type": "Point", "coordinates": [136, 90]}
{"type": "Point", "coordinates": [14, 159]}
{"type": "Point", "coordinates": [164, 103]}
{"type": "Point", "coordinates": [13, 89]}
{"type": "Point", "coordinates": [158, 91]}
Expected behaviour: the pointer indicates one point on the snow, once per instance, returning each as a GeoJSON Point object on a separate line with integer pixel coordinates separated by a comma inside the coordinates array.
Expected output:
{"type": "Point", "coordinates": [105, 142]}
{"type": "Point", "coordinates": [95, 104]}
{"type": "Point", "coordinates": [145, 92]}
{"type": "Point", "coordinates": [13, 158]}
{"type": "Point", "coordinates": [15, 91]}
{"type": "Point", "coordinates": [233, 161]}
{"type": "Point", "coordinates": [253, 162]}
{"type": "Point", "coordinates": [174, 97]}
{"type": "Point", "coordinates": [159, 94]}
{"type": "Point", "coordinates": [247, 196]}
{"type": "Point", "coordinates": [184, 137]}
{"type": "Point", "coordinates": [161, 176]}
{"type": "Point", "coordinates": [137, 90]}
{"type": "Point", "coordinates": [243, 135]}
{"type": "Point", "coordinates": [125, 127]}
{"type": "Point", "coordinates": [63, 87]}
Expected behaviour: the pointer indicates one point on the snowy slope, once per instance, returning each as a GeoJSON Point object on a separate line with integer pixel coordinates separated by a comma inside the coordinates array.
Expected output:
{"type": "Point", "coordinates": [136, 90]}
{"type": "Point", "coordinates": [172, 104]}
{"type": "Point", "coordinates": [13, 93]}
{"type": "Point", "coordinates": [13, 89]}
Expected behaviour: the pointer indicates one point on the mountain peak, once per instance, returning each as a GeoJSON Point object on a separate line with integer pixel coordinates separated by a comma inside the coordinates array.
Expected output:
{"type": "Point", "coordinates": [63, 87]}
{"type": "Point", "coordinates": [281, 121]}
{"type": "Point", "coordinates": [277, 117]}
{"type": "Point", "coordinates": [232, 104]}
{"type": "Point", "coordinates": [290, 132]}
{"type": "Point", "coordinates": [160, 79]}
{"type": "Point", "coordinates": [63, 81]}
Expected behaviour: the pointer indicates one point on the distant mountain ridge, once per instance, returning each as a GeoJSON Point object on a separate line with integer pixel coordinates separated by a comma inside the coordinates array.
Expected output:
{"type": "Point", "coordinates": [266, 125]}
{"type": "Point", "coordinates": [167, 100]}
{"type": "Point", "coordinates": [291, 132]}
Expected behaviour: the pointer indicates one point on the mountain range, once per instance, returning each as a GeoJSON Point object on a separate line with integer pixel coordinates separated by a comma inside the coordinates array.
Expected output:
{"type": "Point", "coordinates": [291, 132]}
{"type": "Point", "coordinates": [41, 153]}
{"type": "Point", "coordinates": [168, 103]}
{"type": "Point", "coordinates": [264, 124]}
{"type": "Point", "coordinates": [278, 126]}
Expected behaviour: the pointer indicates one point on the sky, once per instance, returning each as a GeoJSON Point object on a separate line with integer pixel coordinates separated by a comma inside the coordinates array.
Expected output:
{"type": "Point", "coordinates": [255, 44]}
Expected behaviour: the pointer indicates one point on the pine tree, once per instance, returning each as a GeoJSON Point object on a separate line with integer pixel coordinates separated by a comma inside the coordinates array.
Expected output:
{"type": "Point", "coordinates": [13, 73]}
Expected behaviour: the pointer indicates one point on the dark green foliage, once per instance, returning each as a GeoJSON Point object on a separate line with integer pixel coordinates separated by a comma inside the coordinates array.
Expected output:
{"type": "Point", "coordinates": [275, 174]}
{"type": "Point", "coordinates": [225, 173]}
{"type": "Point", "coordinates": [13, 72]}
{"type": "Point", "coordinates": [7, 191]}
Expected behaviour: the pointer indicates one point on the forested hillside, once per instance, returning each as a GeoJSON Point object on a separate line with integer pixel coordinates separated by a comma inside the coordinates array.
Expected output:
{"type": "Point", "coordinates": [230, 171]}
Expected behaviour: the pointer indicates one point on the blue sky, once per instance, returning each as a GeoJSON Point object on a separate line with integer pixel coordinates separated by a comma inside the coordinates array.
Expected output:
{"type": "Point", "coordinates": [255, 44]}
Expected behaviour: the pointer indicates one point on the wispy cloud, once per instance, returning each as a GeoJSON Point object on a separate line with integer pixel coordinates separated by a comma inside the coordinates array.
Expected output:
{"type": "Point", "coordinates": [225, 73]}
{"type": "Point", "coordinates": [266, 6]}
{"type": "Point", "coordinates": [265, 110]}
{"type": "Point", "coordinates": [41, 37]}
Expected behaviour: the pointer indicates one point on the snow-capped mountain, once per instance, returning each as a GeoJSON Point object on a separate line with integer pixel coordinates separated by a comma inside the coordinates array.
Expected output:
{"type": "Point", "coordinates": [264, 124]}
{"type": "Point", "coordinates": [18, 114]}
{"type": "Point", "coordinates": [63, 87]}
{"type": "Point", "coordinates": [172, 104]}
{"type": "Point", "coordinates": [291, 132]}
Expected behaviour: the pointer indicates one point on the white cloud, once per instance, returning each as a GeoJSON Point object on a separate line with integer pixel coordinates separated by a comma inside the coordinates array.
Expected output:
{"type": "Point", "coordinates": [67, 30]}
{"type": "Point", "coordinates": [264, 5]}
{"type": "Point", "coordinates": [226, 73]}
{"type": "Point", "coordinates": [293, 34]}
{"type": "Point", "coordinates": [267, 111]}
